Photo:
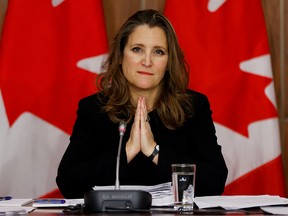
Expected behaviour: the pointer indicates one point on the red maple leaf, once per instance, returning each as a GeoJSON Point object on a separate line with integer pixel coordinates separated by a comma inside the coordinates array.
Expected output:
{"type": "Point", "coordinates": [40, 48]}
{"type": "Point", "coordinates": [215, 43]}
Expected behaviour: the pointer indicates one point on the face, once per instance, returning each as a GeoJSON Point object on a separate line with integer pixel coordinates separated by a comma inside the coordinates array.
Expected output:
{"type": "Point", "coordinates": [145, 58]}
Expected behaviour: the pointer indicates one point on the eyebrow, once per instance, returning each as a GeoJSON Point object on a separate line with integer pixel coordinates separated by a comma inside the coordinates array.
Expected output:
{"type": "Point", "coordinates": [157, 47]}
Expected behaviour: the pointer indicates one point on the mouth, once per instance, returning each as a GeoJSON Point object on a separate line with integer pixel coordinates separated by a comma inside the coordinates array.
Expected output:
{"type": "Point", "coordinates": [144, 73]}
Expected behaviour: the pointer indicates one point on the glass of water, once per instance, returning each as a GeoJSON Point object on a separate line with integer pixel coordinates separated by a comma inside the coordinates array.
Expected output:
{"type": "Point", "coordinates": [183, 182]}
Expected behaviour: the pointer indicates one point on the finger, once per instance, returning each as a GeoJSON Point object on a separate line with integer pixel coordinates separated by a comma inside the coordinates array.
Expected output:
{"type": "Point", "coordinates": [143, 114]}
{"type": "Point", "coordinates": [145, 110]}
{"type": "Point", "coordinates": [144, 105]}
{"type": "Point", "coordinates": [137, 118]}
{"type": "Point", "coordinates": [134, 141]}
{"type": "Point", "coordinates": [147, 138]}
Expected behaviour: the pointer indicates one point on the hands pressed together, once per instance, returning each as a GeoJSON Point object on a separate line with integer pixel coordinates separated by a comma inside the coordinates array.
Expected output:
{"type": "Point", "coordinates": [141, 137]}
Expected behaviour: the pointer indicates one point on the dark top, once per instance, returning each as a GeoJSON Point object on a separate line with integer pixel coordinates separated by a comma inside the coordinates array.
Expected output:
{"type": "Point", "coordinates": [90, 158]}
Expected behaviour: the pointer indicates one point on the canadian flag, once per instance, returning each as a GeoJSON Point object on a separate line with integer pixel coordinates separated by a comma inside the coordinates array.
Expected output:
{"type": "Point", "coordinates": [225, 44]}
{"type": "Point", "coordinates": [51, 51]}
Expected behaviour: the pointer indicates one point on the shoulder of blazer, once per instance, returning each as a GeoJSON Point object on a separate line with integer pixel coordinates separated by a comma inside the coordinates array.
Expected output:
{"type": "Point", "coordinates": [94, 102]}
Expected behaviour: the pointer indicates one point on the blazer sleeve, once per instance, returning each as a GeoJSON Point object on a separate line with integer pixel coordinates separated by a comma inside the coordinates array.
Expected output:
{"type": "Point", "coordinates": [92, 151]}
{"type": "Point", "coordinates": [198, 145]}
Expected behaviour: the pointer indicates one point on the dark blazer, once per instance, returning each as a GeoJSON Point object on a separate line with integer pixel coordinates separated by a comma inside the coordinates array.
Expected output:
{"type": "Point", "coordinates": [90, 158]}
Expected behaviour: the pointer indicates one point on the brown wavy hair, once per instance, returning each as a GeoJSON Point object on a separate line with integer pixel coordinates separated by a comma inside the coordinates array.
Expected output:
{"type": "Point", "coordinates": [172, 104]}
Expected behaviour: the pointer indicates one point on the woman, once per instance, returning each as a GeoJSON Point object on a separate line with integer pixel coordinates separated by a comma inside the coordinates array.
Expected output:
{"type": "Point", "coordinates": [144, 84]}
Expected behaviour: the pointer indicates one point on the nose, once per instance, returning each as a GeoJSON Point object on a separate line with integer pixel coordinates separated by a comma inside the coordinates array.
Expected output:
{"type": "Point", "coordinates": [147, 61]}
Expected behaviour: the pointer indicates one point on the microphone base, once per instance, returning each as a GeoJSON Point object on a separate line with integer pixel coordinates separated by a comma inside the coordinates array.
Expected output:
{"type": "Point", "coordinates": [117, 200]}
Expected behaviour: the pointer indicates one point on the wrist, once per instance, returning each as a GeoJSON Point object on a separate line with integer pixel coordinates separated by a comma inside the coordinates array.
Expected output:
{"type": "Point", "coordinates": [131, 151]}
{"type": "Point", "coordinates": [155, 152]}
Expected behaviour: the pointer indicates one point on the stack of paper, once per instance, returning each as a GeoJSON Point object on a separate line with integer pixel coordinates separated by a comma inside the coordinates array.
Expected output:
{"type": "Point", "coordinates": [162, 194]}
{"type": "Point", "coordinates": [15, 206]}
{"type": "Point", "coordinates": [239, 202]}
{"type": "Point", "coordinates": [14, 210]}
{"type": "Point", "coordinates": [277, 210]}
{"type": "Point", "coordinates": [15, 202]}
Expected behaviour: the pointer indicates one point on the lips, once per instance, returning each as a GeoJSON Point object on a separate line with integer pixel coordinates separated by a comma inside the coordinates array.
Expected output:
{"type": "Point", "coordinates": [144, 73]}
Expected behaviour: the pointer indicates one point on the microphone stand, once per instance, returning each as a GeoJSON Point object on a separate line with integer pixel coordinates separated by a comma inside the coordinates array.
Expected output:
{"type": "Point", "coordinates": [117, 200]}
{"type": "Point", "coordinates": [122, 129]}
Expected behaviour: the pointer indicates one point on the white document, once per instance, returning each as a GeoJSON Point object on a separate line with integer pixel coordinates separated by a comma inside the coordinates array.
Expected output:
{"type": "Point", "coordinates": [15, 202]}
{"type": "Point", "coordinates": [15, 210]}
{"type": "Point", "coordinates": [239, 202]}
{"type": "Point", "coordinates": [278, 210]}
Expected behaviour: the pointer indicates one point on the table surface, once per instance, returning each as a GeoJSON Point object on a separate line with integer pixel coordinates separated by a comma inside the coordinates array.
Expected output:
{"type": "Point", "coordinates": [158, 211]}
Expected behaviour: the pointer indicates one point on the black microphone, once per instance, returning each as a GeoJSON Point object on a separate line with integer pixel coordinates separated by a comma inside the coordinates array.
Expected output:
{"type": "Point", "coordinates": [117, 200]}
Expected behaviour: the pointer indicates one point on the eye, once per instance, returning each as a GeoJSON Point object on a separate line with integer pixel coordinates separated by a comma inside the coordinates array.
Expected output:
{"type": "Point", "coordinates": [159, 52]}
{"type": "Point", "coordinates": [136, 49]}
